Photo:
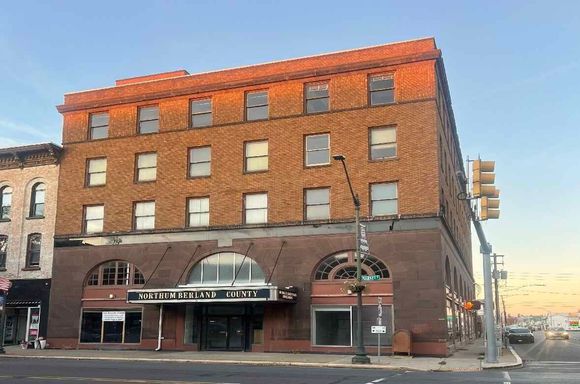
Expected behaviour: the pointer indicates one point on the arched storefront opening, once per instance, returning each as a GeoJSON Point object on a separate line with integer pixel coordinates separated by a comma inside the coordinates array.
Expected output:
{"type": "Point", "coordinates": [333, 311]}
{"type": "Point", "coordinates": [106, 317]}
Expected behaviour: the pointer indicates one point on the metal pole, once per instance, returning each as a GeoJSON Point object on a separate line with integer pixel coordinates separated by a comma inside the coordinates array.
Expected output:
{"type": "Point", "coordinates": [360, 356]}
{"type": "Point", "coordinates": [496, 283]}
{"type": "Point", "coordinates": [2, 326]}
{"type": "Point", "coordinates": [491, 351]}
{"type": "Point", "coordinates": [160, 331]}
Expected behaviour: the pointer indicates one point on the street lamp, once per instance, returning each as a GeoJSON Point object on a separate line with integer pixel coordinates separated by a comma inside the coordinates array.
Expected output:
{"type": "Point", "coordinates": [360, 356]}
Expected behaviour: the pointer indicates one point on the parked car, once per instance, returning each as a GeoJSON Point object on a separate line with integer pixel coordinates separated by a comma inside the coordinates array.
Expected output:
{"type": "Point", "coordinates": [557, 333]}
{"type": "Point", "coordinates": [520, 335]}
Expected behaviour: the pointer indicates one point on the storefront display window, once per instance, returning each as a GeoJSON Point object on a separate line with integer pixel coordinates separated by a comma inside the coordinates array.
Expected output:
{"type": "Point", "coordinates": [332, 326]}
{"type": "Point", "coordinates": [111, 327]}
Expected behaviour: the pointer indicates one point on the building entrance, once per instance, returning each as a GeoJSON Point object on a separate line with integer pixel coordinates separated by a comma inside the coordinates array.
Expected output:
{"type": "Point", "coordinates": [225, 333]}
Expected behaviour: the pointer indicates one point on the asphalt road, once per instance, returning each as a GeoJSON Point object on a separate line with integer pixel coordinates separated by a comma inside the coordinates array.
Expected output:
{"type": "Point", "coordinates": [546, 362]}
{"type": "Point", "coordinates": [550, 350]}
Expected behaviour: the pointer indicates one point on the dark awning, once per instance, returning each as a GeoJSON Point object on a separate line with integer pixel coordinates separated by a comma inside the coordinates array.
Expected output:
{"type": "Point", "coordinates": [15, 303]}
{"type": "Point", "coordinates": [212, 295]}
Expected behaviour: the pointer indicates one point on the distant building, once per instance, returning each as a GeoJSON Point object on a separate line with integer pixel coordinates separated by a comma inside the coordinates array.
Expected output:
{"type": "Point", "coordinates": [28, 188]}
{"type": "Point", "coordinates": [212, 202]}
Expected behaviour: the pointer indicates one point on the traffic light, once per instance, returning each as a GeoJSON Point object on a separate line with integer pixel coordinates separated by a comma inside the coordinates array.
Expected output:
{"type": "Point", "coordinates": [483, 179]}
{"type": "Point", "coordinates": [489, 208]}
{"type": "Point", "coordinates": [472, 305]}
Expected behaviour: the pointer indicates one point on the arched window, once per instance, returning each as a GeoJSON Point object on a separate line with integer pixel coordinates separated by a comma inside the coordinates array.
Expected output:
{"type": "Point", "coordinates": [37, 200]}
{"type": "Point", "coordinates": [115, 273]}
{"type": "Point", "coordinates": [343, 266]}
{"type": "Point", "coordinates": [225, 268]}
{"type": "Point", "coordinates": [33, 250]}
{"type": "Point", "coordinates": [5, 202]}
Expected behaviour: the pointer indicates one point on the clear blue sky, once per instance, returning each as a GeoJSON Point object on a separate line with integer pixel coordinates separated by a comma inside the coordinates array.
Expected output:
{"type": "Point", "coordinates": [513, 70]}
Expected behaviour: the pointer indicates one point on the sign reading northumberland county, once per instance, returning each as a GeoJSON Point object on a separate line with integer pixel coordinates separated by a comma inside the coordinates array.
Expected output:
{"type": "Point", "coordinates": [210, 295]}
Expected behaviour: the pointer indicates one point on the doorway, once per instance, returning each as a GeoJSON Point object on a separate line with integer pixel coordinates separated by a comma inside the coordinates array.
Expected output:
{"type": "Point", "coordinates": [225, 333]}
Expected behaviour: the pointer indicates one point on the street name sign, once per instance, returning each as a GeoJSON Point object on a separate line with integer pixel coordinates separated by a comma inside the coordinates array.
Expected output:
{"type": "Point", "coordinates": [369, 278]}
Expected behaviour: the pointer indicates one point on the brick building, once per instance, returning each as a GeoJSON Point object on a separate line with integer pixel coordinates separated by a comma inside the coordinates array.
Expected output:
{"type": "Point", "coordinates": [204, 211]}
{"type": "Point", "coordinates": [28, 188]}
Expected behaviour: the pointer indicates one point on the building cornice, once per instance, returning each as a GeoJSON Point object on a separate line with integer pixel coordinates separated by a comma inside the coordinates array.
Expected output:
{"type": "Point", "coordinates": [30, 156]}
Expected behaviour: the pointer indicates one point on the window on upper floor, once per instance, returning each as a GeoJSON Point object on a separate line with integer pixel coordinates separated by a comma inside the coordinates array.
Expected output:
{"type": "Point", "coordinates": [199, 162]}
{"type": "Point", "coordinates": [226, 268]}
{"type": "Point", "coordinates": [37, 200]}
{"type": "Point", "coordinates": [96, 172]}
{"type": "Point", "coordinates": [383, 143]}
{"type": "Point", "coordinates": [256, 156]}
{"type": "Point", "coordinates": [94, 217]}
{"type": "Point", "coordinates": [146, 167]}
{"type": "Point", "coordinates": [317, 204]}
{"type": "Point", "coordinates": [3, 251]}
{"type": "Point", "coordinates": [384, 199]}
{"type": "Point", "coordinates": [149, 119]}
{"type": "Point", "coordinates": [256, 105]}
{"type": "Point", "coordinates": [144, 215]}
{"type": "Point", "coordinates": [381, 89]}
{"type": "Point", "coordinates": [33, 250]}
{"type": "Point", "coordinates": [317, 150]}
{"type": "Point", "coordinates": [115, 273]}
{"type": "Point", "coordinates": [99, 125]}
{"type": "Point", "coordinates": [317, 99]}
{"type": "Point", "coordinates": [255, 208]}
{"type": "Point", "coordinates": [5, 202]}
{"type": "Point", "coordinates": [201, 115]}
{"type": "Point", "coordinates": [198, 212]}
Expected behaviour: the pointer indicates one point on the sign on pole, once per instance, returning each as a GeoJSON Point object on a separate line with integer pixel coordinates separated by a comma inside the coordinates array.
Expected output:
{"type": "Point", "coordinates": [363, 244]}
{"type": "Point", "coordinates": [378, 329]}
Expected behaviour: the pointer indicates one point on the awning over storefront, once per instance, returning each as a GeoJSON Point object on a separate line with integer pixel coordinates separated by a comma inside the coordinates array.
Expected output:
{"type": "Point", "coordinates": [22, 302]}
{"type": "Point", "coordinates": [218, 294]}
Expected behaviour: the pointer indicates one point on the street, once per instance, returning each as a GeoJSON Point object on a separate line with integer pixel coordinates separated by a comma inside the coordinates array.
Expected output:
{"type": "Point", "coordinates": [545, 361]}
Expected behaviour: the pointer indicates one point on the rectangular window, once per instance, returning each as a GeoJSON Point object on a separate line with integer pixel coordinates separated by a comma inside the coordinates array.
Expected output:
{"type": "Point", "coordinates": [99, 126]}
{"type": "Point", "coordinates": [144, 215]}
{"type": "Point", "coordinates": [146, 167]}
{"type": "Point", "coordinates": [94, 217]}
{"type": "Point", "coordinates": [3, 251]}
{"type": "Point", "coordinates": [199, 162]}
{"type": "Point", "coordinates": [96, 327]}
{"type": "Point", "coordinates": [201, 113]}
{"type": "Point", "coordinates": [317, 204]}
{"type": "Point", "coordinates": [256, 208]}
{"type": "Point", "coordinates": [5, 202]}
{"type": "Point", "coordinates": [317, 150]}
{"type": "Point", "coordinates": [381, 89]}
{"type": "Point", "coordinates": [256, 105]}
{"type": "Point", "coordinates": [96, 172]}
{"type": "Point", "coordinates": [384, 199]}
{"type": "Point", "coordinates": [149, 119]}
{"type": "Point", "coordinates": [317, 99]}
{"type": "Point", "coordinates": [198, 212]}
{"type": "Point", "coordinates": [332, 326]}
{"type": "Point", "coordinates": [256, 156]}
{"type": "Point", "coordinates": [383, 143]}
{"type": "Point", "coordinates": [33, 250]}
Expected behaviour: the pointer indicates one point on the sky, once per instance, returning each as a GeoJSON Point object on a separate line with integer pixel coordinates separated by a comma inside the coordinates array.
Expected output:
{"type": "Point", "coordinates": [512, 68]}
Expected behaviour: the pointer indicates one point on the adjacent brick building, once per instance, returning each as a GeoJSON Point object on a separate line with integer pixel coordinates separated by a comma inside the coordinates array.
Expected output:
{"type": "Point", "coordinates": [28, 188]}
{"type": "Point", "coordinates": [212, 201]}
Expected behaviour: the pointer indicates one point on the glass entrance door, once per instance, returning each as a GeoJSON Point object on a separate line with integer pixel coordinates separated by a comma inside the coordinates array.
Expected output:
{"type": "Point", "coordinates": [225, 333]}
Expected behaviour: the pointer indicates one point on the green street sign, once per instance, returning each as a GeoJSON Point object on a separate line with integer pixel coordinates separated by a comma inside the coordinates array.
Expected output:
{"type": "Point", "coordinates": [368, 278]}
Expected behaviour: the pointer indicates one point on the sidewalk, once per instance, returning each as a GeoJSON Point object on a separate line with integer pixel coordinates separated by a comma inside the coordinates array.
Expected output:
{"type": "Point", "coordinates": [465, 359]}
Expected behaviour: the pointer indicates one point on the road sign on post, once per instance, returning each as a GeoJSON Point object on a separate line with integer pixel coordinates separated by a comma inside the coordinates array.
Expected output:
{"type": "Point", "coordinates": [378, 329]}
{"type": "Point", "coordinates": [363, 244]}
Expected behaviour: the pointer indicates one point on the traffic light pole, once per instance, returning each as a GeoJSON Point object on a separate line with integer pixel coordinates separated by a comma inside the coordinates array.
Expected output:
{"type": "Point", "coordinates": [491, 349]}
{"type": "Point", "coordinates": [496, 286]}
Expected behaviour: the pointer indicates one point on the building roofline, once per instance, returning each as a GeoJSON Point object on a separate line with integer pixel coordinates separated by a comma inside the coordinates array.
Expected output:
{"type": "Point", "coordinates": [250, 65]}
{"type": "Point", "coordinates": [19, 154]}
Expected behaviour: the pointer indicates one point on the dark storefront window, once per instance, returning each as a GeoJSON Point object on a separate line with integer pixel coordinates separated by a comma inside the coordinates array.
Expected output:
{"type": "Point", "coordinates": [332, 326]}
{"type": "Point", "coordinates": [95, 330]}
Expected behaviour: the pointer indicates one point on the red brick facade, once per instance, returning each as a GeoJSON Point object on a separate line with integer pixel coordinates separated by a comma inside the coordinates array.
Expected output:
{"type": "Point", "coordinates": [428, 154]}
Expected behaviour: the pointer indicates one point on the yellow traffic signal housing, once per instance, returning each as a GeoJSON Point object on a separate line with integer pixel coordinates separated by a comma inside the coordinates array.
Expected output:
{"type": "Point", "coordinates": [483, 178]}
{"type": "Point", "coordinates": [489, 208]}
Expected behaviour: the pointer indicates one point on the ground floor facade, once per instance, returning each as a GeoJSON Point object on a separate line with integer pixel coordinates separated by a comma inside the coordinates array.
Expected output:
{"type": "Point", "coordinates": [284, 289]}
{"type": "Point", "coordinates": [26, 311]}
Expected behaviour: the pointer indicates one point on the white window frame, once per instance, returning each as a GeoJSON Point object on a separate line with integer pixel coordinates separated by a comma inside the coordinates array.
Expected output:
{"type": "Point", "coordinates": [89, 173]}
{"type": "Point", "coordinates": [246, 209]}
{"type": "Point", "coordinates": [135, 217]}
{"type": "Point", "coordinates": [328, 308]}
{"type": "Point", "coordinates": [86, 221]}
{"type": "Point", "coordinates": [199, 213]}
{"type": "Point", "coordinates": [138, 169]}
{"type": "Point", "coordinates": [307, 151]}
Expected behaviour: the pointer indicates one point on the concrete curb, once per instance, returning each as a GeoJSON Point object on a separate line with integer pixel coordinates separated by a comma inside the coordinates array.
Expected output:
{"type": "Point", "coordinates": [518, 363]}
{"type": "Point", "coordinates": [233, 362]}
